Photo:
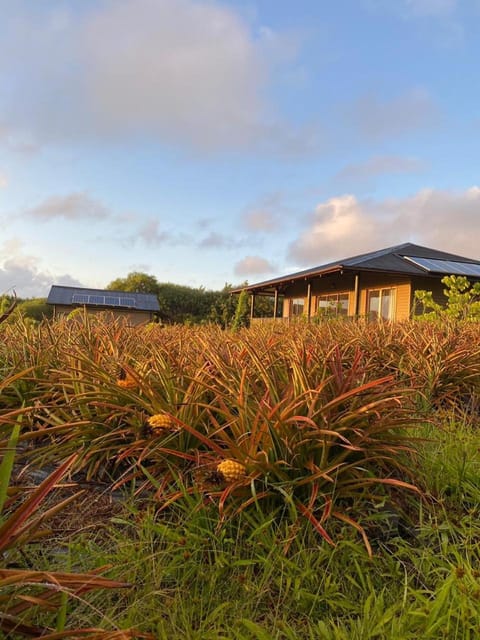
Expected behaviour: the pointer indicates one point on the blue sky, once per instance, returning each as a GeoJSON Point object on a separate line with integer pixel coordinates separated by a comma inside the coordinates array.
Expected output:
{"type": "Point", "coordinates": [208, 142]}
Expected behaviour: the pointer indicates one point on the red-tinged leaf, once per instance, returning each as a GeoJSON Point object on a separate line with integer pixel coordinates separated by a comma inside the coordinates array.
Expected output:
{"type": "Point", "coordinates": [211, 444]}
{"type": "Point", "coordinates": [224, 495]}
{"type": "Point", "coordinates": [12, 525]}
{"type": "Point", "coordinates": [327, 510]}
{"type": "Point", "coordinates": [390, 481]}
{"type": "Point", "coordinates": [313, 495]}
{"type": "Point", "coordinates": [10, 624]}
{"type": "Point", "coordinates": [311, 518]}
{"type": "Point", "coordinates": [61, 579]}
{"type": "Point", "coordinates": [252, 500]}
{"type": "Point", "coordinates": [357, 526]}
{"type": "Point", "coordinates": [320, 474]}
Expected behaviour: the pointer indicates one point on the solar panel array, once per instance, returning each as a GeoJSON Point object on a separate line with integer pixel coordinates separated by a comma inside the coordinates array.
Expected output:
{"type": "Point", "coordinates": [109, 301]}
{"type": "Point", "coordinates": [450, 267]}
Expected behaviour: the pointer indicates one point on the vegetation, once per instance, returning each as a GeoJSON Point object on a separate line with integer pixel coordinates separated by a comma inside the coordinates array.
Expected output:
{"type": "Point", "coordinates": [462, 300]}
{"type": "Point", "coordinates": [278, 482]}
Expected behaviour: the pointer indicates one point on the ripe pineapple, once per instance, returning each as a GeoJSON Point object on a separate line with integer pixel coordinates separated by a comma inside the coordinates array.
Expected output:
{"type": "Point", "coordinates": [161, 422]}
{"type": "Point", "coordinates": [127, 383]}
{"type": "Point", "coordinates": [231, 470]}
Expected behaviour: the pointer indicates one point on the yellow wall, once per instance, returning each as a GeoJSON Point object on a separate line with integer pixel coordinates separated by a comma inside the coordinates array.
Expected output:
{"type": "Point", "coordinates": [343, 283]}
{"type": "Point", "coordinates": [132, 318]}
{"type": "Point", "coordinates": [402, 297]}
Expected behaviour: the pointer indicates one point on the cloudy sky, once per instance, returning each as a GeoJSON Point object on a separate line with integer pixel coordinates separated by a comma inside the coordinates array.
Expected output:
{"type": "Point", "coordinates": [215, 141]}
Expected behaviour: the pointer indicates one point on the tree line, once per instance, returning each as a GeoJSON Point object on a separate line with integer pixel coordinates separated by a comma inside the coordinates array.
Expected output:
{"type": "Point", "coordinates": [179, 304]}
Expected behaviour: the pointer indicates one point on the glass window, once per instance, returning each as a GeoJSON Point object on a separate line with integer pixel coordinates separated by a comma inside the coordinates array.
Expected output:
{"type": "Point", "coordinates": [381, 304]}
{"type": "Point", "coordinates": [333, 304]}
{"type": "Point", "coordinates": [298, 305]}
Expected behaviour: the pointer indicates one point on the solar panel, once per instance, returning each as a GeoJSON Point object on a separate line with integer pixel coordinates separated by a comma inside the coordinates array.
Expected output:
{"type": "Point", "coordinates": [109, 301]}
{"type": "Point", "coordinates": [450, 267]}
{"type": "Point", "coordinates": [127, 302]}
{"type": "Point", "coordinates": [113, 301]}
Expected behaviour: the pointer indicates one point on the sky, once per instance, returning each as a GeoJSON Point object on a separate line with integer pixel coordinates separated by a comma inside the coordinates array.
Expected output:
{"type": "Point", "coordinates": [208, 142]}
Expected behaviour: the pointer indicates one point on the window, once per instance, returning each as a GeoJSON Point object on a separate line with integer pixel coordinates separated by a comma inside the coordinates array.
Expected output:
{"type": "Point", "coordinates": [333, 304]}
{"type": "Point", "coordinates": [381, 304]}
{"type": "Point", "coordinates": [298, 305]}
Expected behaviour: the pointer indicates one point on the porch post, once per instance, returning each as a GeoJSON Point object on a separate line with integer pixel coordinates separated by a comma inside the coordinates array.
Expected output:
{"type": "Point", "coordinates": [275, 304]}
{"type": "Point", "coordinates": [252, 305]}
{"type": "Point", "coordinates": [356, 308]}
{"type": "Point", "coordinates": [309, 300]}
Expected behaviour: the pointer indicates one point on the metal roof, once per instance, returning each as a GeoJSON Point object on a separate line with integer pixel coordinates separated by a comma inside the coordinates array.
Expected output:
{"type": "Point", "coordinates": [75, 296]}
{"type": "Point", "coordinates": [392, 260]}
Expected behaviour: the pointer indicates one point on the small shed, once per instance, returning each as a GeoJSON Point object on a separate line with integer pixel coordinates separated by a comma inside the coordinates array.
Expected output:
{"type": "Point", "coordinates": [134, 308]}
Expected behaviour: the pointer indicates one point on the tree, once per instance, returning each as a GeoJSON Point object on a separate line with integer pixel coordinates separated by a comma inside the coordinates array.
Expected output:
{"type": "Point", "coordinates": [136, 282]}
{"type": "Point", "coordinates": [222, 308]}
{"type": "Point", "coordinates": [241, 318]}
{"type": "Point", "coordinates": [35, 308]}
{"type": "Point", "coordinates": [463, 300]}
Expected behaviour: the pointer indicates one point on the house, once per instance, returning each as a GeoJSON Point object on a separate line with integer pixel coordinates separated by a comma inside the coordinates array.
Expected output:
{"type": "Point", "coordinates": [380, 284]}
{"type": "Point", "coordinates": [135, 308]}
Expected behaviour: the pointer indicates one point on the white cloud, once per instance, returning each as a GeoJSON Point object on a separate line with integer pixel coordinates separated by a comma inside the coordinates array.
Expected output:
{"type": "Point", "coordinates": [253, 265]}
{"type": "Point", "coordinates": [175, 71]}
{"type": "Point", "coordinates": [377, 119]}
{"type": "Point", "coordinates": [216, 240]}
{"type": "Point", "coordinates": [73, 206]}
{"type": "Point", "coordinates": [150, 234]}
{"type": "Point", "coordinates": [23, 273]}
{"type": "Point", "coordinates": [3, 181]}
{"type": "Point", "coordinates": [345, 226]}
{"type": "Point", "coordinates": [377, 166]}
{"type": "Point", "coordinates": [336, 228]}
{"type": "Point", "coordinates": [260, 220]}
{"type": "Point", "coordinates": [268, 214]}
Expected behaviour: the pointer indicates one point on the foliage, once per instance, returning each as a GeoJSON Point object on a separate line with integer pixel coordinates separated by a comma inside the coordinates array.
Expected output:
{"type": "Point", "coordinates": [20, 525]}
{"type": "Point", "coordinates": [179, 303]}
{"type": "Point", "coordinates": [463, 300]}
{"type": "Point", "coordinates": [241, 318]}
{"type": "Point", "coordinates": [35, 308]}
{"type": "Point", "coordinates": [136, 281]}
{"type": "Point", "coordinates": [317, 531]}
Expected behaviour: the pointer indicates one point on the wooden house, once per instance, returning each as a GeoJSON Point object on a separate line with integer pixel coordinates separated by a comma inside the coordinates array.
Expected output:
{"type": "Point", "coordinates": [379, 284]}
{"type": "Point", "coordinates": [134, 308]}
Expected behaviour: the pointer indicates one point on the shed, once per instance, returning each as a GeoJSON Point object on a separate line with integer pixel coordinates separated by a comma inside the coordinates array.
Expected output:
{"type": "Point", "coordinates": [135, 308]}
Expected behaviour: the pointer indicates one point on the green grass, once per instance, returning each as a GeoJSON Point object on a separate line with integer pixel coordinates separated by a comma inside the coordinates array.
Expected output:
{"type": "Point", "coordinates": [258, 578]}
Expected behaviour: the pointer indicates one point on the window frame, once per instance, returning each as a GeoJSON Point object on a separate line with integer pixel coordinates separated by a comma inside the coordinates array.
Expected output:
{"type": "Point", "coordinates": [335, 309]}
{"type": "Point", "coordinates": [392, 292]}
{"type": "Point", "coordinates": [294, 303]}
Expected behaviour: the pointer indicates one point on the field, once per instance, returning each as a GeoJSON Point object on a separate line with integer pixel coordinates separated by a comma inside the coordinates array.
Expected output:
{"type": "Point", "coordinates": [311, 481]}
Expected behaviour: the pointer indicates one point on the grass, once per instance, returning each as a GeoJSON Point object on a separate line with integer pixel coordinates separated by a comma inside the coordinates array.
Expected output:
{"type": "Point", "coordinates": [357, 515]}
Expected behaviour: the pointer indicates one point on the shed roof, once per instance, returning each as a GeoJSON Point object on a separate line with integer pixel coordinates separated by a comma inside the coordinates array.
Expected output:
{"type": "Point", "coordinates": [399, 259]}
{"type": "Point", "coordinates": [79, 296]}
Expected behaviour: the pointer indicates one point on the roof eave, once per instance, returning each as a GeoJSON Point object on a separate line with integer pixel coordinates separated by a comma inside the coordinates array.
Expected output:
{"type": "Point", "coordinates": [268, 285]}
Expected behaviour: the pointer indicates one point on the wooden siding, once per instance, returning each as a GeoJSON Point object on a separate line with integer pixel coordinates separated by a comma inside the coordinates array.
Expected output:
{"type": "Point", "coordinates": [132, 318]}
{"type": "Point", "coordinates": [345, 283]}
{"type": "Point", "coordinates": [428, 284]}
{"type": "Point", "coordinates": [402, 286]}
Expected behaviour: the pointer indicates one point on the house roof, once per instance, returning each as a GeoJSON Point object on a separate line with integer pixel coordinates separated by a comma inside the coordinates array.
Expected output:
{"type": "Point", "coordinates": [79, 296]}
{"type": "Point", "coordinates": [399, 259]}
